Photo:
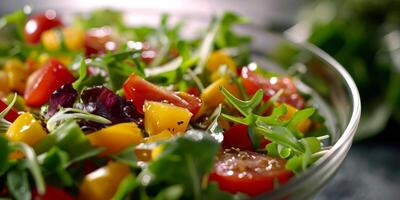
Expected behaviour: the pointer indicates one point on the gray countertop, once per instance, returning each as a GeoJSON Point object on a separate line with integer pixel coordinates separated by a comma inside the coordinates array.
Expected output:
{"type": "Point", "coordinates": [371, 171]}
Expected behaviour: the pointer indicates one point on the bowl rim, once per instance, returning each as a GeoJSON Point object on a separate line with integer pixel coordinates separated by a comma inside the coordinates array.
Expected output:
{"type": "Point", "coordinates": [348, 132]}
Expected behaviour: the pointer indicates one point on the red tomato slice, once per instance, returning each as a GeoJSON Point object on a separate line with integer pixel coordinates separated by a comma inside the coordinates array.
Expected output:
{"type": "Point", "coordinates": [248, 172]}
{"type": "Point", "coordinates": [44, 81]}
{"type": "Point", "coordinates": [194, 91]}
{"type": "Point", "coordinates": [139, 90]}
{"type": "Point", "coordinates": [51, 194]}
{"type": "Point", "coordinates": [40, 23]}
{"type": "Point", "coordinates": [238, 137]}
{"type": "Point", "coordinates": [11, 115]}
{"type": "Point", "coordinates": [253, 82]}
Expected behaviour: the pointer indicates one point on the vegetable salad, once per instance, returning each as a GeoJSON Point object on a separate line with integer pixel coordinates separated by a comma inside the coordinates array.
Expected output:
{"type": "Point", "coordinates": [98, 109]}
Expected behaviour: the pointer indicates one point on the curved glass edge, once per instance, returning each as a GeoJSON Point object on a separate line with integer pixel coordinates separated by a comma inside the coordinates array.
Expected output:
{"type": "Point", "coordinates": [342, 145]}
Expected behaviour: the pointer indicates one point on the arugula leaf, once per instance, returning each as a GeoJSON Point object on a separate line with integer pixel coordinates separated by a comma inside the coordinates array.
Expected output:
{"type": "Point", "coordinates": [189, 157]}
{"type": "Point", "coordinates": [118, 68]}
{"type": "Point", "coordinates": [54, 162]}
{"type": "Point", "coordinates": [214, 129]}
{"type": "Point", "coordinates": [244, 107]}
{"type": "Point", "coordinates": [68, 137]}
{"type": "Point", "coordinates": [73, 113]}
{"type": "Point", "coordinates": [206, 46]}
{"type": "Point", "coordinates": [18, 18]}
{"type": "Point", "coordinates": [18, 184]}
{"type": "Point", "coordinates": [31, 164]}
{"type": "Point", "coordinates": [283, 134]}
{"type": "Point", "coordinates": [82, 76]}
{"type": "Point", "coordinates": [226, 37]}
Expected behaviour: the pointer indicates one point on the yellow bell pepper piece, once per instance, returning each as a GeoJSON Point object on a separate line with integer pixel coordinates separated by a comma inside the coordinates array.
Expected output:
{"type": "Point", "coordinates": [302, 126]}
{"type": "Point", "coordinates": [219, 58]}
{"type": "Point", "coordinates": [17, 75]}
{"type": "Point", "coordinates": [103, 183]}
{"type": "Point", "coordinates": [73, 38]}
{"type": "Point", "coordinates": [162, 116]}
{"type": "Point", "coordinates": [212, 95]}
{"type": "Point", "coordinates": [164, 135]}
{"type": "Point", "coordinates": [117, 137]}
{"type": "Point", "coordinates": [51, 39]}
{"type": "Point", "coordinates": [26, 129]}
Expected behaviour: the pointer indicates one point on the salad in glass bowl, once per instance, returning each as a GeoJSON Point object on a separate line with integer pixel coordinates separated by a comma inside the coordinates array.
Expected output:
{"type": "Point", "coordinates": [98, 109]}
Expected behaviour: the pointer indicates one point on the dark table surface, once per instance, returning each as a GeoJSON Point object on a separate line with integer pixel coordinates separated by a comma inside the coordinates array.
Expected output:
{"type": "Point", "coordinates": [370, 171]}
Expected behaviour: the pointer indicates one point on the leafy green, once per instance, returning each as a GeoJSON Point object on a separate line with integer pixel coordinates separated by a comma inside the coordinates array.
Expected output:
{"type": "Point", "coordinates": [118, 67]}
{"type": "Point", "coordinates": [226, 37]}
{"type": "Point", "coordinates": [73, 113]}
{"type": "Point", "coordinates": [188, 157]}
{"type": "Point", "coordinates": [244, 107]}
{"type": "Point", "coordinates": [18, 184]}
{"type": "Point", "coordinates": [31, 164]}
{"type": "Point", "coordinates": [54, 162]}
{"type": "Point", "coordinates": [355, 33]}
{"type": "Point", "coordinates": [18, 18]}
{"type": "Point", "coordinates": [68, 137]}
{"type": "Point", "coordinates": [78, 84]}
{"type": "Point", "coordinates": [286, 140]}
{"type": "Point", "coordinates": [100, 18]}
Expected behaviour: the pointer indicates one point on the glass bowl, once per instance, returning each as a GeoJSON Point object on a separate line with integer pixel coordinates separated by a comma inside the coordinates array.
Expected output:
{"type": "Point", "coordinates": [332, 89]}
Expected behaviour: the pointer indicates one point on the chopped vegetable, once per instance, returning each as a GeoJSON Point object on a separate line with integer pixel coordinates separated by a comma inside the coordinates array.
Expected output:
{"type": "Point", "coordinates": [117, 137]}
{"type": "Point", "coordinates": [43, 82]}
{"type": "Point", "coordinates": [26, 129]}
{"type": "Point", "coordinates": [103, 183]}
{"type": "Point", "coordinates": [159, 117]}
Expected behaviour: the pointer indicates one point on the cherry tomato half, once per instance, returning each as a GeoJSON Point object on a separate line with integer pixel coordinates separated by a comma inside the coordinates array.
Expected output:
{"type": "Point", "coordinates": [253, 82]}
{"type": "Point", "coordinates": [44, 81]}
{"type": "Point", "coordinates": [40, 23]}
{"type": "Point", "coordinates": [139, 90]}
{"type": "Point", "coordinates": [248, 172]}
{"type": "Point", "coordinates": [52, 193]}
{"type": "Point", "coordinates": [11, 115]}
{"type": "Point", "coordinates": [238, 137]}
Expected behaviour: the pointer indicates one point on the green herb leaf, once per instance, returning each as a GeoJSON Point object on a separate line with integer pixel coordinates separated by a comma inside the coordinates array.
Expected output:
{"type": "Point", "coordinates": [73, 113]}
{"type": "Point", "coordinates": [18, 184]}
{"type": "Point", "coordinates": [82, 76]}
{"type": "Point", "coordinates": [68, 137]}
{"type": "Point", "coordinates": [189, 157]}
{"type": "Point", "coordinates": [244, 107]}
{"type": "Point", "coordinates": [31, 164]}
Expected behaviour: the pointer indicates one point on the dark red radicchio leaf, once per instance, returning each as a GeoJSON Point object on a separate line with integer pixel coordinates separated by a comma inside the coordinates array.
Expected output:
{"type": "Point", "coordinates": [102, 101]}
{"type": "Point", "coordinates": [64, 96]}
